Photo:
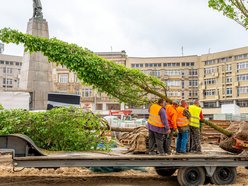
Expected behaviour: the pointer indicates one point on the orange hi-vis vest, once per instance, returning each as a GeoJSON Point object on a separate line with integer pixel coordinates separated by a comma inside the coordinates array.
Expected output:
{"type": "Point", "coordinates": [171, 114]}
{"type": "Point", "coordinates": [182, 120]}
{"type": "Point", "coordinates": [154, 118]}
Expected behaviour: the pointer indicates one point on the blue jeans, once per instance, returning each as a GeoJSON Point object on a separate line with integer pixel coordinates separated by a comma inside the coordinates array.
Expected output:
{"type": "Point", "coordinates": [182, 140]}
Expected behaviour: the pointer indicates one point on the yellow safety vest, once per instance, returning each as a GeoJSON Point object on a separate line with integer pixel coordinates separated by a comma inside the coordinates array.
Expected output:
{"type": "Point", "coordinates": [154, 118]}
{"type": "Point", "coordinates": [195, 116]}
{"type": "Point", "coordinates": [182, 120]}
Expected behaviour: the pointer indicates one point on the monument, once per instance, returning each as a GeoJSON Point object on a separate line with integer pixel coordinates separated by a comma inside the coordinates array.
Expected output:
{"type": "Point", "coordinates": [36, 71]}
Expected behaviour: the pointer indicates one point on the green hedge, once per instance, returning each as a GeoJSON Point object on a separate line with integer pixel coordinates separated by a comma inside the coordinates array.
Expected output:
{"type": "Point", "coordinates": [66, 129]}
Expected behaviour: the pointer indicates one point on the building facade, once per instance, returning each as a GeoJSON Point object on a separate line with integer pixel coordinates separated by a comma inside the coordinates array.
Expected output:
{"type": "Point", "coordinates": [215, 79]}
{"type": "Point", "coordinates": [67, 82]}
{"type": "Point", "coordinates": [223, 79]}
{"type": "Point", "coordinates": [10, 67]}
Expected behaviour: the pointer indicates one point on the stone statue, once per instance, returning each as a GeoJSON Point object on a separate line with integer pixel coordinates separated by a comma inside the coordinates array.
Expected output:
{"type": "Point", "coordinates": [37, 8]}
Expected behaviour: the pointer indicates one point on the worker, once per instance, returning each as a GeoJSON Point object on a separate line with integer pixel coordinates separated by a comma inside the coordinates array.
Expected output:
{"type": "Point", "coordinates": [183, 127]}
{"type": "Point", "coordinates": [158, 127]}
{"type": "Point", "coordinates": [171, 113]}
{"type": "Point", "coordinates": [195, 138]}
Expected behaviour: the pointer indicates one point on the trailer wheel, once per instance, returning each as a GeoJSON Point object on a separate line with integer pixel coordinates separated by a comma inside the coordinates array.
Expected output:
{"type": "Point", "coordinates": [224, 175]}
{"type": "Point", "coordinates": [192, 176]}
{"type": "Point", "coordinates": [164, 171]}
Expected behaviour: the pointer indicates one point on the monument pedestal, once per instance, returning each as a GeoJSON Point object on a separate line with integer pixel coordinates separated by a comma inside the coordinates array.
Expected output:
{"type": "Point", "coordinates": [36, 71]}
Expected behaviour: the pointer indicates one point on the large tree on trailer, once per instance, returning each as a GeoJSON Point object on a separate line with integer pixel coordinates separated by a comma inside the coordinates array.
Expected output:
{"type": "Point", "coordinates": [128, 85]}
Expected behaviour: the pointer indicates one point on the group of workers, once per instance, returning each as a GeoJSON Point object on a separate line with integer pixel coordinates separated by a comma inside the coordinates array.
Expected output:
{"type": "Point", "coordinates": [166, 119]}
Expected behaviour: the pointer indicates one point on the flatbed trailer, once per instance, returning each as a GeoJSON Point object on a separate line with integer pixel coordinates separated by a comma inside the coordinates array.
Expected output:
{"type": "Point", "coordinates": [193, 169]}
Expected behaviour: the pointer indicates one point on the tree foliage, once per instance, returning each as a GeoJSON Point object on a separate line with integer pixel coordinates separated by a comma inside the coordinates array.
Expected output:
{"type": "Point", "coordinates": [67, 129]}
{"type": "Point", "coordinates": [128, 85]}
{"type": "Point", "coordinates": [234, 9]}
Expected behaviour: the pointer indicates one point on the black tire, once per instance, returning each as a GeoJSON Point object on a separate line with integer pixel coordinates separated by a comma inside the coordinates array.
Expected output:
{"type": "Point", "coordinates": [165, 171]}
{"type": "Point", "coordinates": [224, 175]}
{"type": "Point", "coordinates": [191, 176]}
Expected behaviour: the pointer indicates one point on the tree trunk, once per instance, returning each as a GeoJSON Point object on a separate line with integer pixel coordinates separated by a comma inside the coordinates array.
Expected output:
{"type": "Point", "coordinates": [218, 128]}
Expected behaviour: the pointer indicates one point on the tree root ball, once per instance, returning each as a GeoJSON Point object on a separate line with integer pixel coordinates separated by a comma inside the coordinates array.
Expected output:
{"type": "Point", "coordinates": [241, 133]}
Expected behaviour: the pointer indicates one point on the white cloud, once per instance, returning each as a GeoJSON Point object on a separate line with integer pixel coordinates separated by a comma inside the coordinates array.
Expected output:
{"type": "Point", "coordinates": [141, 27]}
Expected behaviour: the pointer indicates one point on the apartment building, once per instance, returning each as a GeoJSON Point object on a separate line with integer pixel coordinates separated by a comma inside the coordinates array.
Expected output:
{"type": "Point", "coordinates": [223, 79]}
{"type": "Point", "coordinates": [10, 67]}
{"type": "Point", "coordinates": [66, 81]}
{"type": "Point", "coordinates": [215, 79]}
{"type": "Point", "coordinates": [180, 74]}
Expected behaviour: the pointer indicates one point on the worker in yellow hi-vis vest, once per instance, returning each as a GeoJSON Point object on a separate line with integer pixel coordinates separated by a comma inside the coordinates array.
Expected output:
{"type": "Point", "coordinates": [195, 136]}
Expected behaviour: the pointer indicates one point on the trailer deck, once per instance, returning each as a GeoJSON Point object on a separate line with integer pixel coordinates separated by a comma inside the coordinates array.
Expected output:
{"type": "Point", "coordinates": [215, 163]}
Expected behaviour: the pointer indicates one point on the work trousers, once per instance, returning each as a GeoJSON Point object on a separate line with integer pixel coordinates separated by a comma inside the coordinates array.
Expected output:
{"type": "Point", "coordinates": [156, 139]}
{"type": "Point", "coordinates": [194, 139]}
{"type": "Point", "coordinates": [182, 140]}
{"type": "Point", "coordinates": [168, 141]}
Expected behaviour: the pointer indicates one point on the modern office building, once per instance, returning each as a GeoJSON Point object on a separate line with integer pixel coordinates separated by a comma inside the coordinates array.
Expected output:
{"type": "Point", "coordinates": [10, 67]}
{"type": "Point", "coordinates": [215, 79]}
{"type": "Point", "coordinates": [223, 79]}
{"type": "Point", "coordinates": [180, 74]}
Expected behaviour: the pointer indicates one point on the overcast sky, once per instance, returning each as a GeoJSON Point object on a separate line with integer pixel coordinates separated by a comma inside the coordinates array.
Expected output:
{"type": "Point", "coordinates": [140, 27]}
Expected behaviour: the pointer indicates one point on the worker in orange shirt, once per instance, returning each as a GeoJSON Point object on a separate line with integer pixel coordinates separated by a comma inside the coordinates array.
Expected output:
{"type": "Point", "coordinates": [183, 127]}
{"type": "Point", "coordinates": [171, 114]}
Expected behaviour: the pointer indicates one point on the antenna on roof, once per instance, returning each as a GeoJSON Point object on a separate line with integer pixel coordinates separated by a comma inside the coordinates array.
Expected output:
{"type": "Point", "coordinates": [209, 50]}
{"type": "Point", "coordinates": [111, 49]}
{"type": "Point", "coordinates": [182, 50]}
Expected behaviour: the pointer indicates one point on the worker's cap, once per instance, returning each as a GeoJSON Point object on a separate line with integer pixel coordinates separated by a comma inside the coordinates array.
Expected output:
{"type": "Point", "coordinates": [175, 102]}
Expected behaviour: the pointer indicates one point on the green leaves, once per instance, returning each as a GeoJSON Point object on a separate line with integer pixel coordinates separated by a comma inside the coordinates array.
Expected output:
{"type": "Point", "coordinates": [128, 85]}
{"type": "Point", "coordinates": [234, 9]}
{"type": "Point", "coordinates": [67, 129]}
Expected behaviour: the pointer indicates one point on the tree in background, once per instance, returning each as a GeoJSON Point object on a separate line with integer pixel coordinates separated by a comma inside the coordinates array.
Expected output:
{"type": "Point", "coordinates": [234, 9]}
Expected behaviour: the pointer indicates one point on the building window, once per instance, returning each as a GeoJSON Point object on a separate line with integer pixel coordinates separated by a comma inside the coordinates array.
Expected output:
{"type": "Point", "coordinates": [228, 68]}
{"type": "Point", "coordinates": [228, 79]}
{"type": "Point", "coordinates": [171, 64]}
{"type": "Point", "coordinates": [242, 77]}
{"type": "Point", "coordinates": [242, 103]}
{"type": "Point", "coordinates": [7, 81]}
{"type": "Point", "coordinates": [99, 106]}
{"type": "Point", "coordinates": [210, 81]}
{"type": "Point", "coordinates": [113, 106]}
{"type": "Point", "coordinates": [229, 91]}
{"type": "Point", "coordinates": [242, 65]}
{"type": "Point", "coordinates": [242, 90]}
{"type": "Point", "coordinates": [193, 72]}
{"type": "Point", "coordinates": [242, 56]}
{"type": "Point", "coordinates": [193, 83]}
{"type": "Point", "coordinates": [210, 70]}
{"type": "Point", "coordinates": [63, 78]}
{"type": "Point", "coordinates": [209, 104]}
{"type": "Point", "coordinates": [173, 93]}
{"type": "Point", "coordinates": [155, 73]}
{"type": "Point", "coordinates": [7, 70]}
{"type": "Point", "coordinates": [173, 83]}
{"type": "Point", "coordinates": [211, 92]}
{"type": "Point", "coordinates": [193, 93]}
{"type": "Point", "coordinates": [1, 62]}
{"type": "Point", "coordinates": [86, 92]}
{"type": "Point", "coordinates": [173, 72]}
{"type": "Point", "coordinates": [77, 91]}
{"type": "Point", "coordinates": [209, 62]}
